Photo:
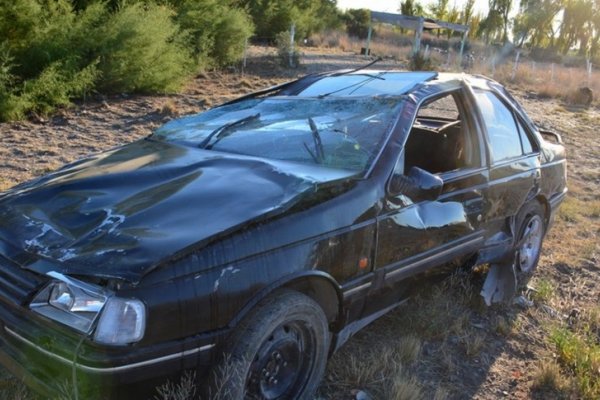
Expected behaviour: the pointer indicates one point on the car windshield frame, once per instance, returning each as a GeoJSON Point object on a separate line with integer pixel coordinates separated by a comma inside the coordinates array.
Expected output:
{"type": "Point", "coordinates": [231, 119]}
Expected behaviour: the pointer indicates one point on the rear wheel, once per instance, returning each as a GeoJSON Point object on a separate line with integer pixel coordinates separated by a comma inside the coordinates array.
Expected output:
{"type": "Point", "coordinates": [278, 352]}
{"type": "Point", "coordinates": [531, 229]}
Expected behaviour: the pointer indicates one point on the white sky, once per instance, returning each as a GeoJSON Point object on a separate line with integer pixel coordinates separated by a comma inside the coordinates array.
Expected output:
{"type": "Point", "coordinates": [481, 6]}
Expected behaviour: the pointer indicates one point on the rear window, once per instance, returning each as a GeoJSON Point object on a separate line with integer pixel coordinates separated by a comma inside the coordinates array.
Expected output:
{"type": "Point", "coordinates": [333, 132]}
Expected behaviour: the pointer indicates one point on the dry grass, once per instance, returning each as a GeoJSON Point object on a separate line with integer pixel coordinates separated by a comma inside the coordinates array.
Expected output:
{"type": "Point", "coordinates": [539, 78]}
{"type": "Point", "coordinates": [548, 380]}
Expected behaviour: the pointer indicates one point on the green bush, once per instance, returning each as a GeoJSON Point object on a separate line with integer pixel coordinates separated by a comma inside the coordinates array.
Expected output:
{"type": "Point", "coordinates": [274, 16]}
{"type": "Point", "coordinates": [357, 22]}
{"type": "Point", "coordinates": [287, 56]}
{"type": "Point", "coordinates": [141, 49]}
{"type": "Point", "coordinates": [215, 32]}
{"type": "Point", "coordinates": [52, 51]}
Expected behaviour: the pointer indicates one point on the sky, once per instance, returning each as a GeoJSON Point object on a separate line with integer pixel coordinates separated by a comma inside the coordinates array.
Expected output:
{"type": "Point", "coordinates": [393, 5]}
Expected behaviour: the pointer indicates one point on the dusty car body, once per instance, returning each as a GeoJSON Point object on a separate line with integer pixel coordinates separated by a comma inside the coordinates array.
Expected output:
{"type": "Point", "coordinates": [329, 196]}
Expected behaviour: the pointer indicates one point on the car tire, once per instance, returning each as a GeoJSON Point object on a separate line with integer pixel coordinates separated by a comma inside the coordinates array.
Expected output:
{"type": "Point", "coordinates": [279, 351]}
{"type": "Point", "coordinates": [531, 228]}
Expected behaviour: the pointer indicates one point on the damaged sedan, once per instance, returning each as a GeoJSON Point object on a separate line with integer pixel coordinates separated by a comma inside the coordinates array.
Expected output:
{"type": "Point", "coordinates": [247, 243]}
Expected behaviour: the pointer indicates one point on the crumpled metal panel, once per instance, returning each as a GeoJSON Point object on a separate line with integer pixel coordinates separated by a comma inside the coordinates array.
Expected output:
{"type": "Point", "coordinates": [121, 213]}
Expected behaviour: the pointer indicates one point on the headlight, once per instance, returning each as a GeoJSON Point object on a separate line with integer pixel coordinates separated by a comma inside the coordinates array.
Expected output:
{"type": "Point", "coordinates": [78, 305]}
{"type": "Point", "coordinates": [122, 321]}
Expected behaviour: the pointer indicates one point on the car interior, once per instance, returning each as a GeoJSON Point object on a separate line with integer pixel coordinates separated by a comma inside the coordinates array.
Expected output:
{"type": "Point", "coordinates": [439, 140]}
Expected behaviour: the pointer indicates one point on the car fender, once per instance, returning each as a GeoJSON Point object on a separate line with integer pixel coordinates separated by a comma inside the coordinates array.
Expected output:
{"type": "Point", "coordinates": [318, 285]}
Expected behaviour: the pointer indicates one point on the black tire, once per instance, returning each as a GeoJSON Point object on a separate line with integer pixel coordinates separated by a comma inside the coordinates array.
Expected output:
{"type": "Point", "coordinates": [279, 351]}
{"type": "Point", "coordinates": [531, 228]}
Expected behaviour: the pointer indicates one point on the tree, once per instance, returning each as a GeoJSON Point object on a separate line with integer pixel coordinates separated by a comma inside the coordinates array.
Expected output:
{"type": "Point", "coordinates": [467, 12]}
{"type": "Point", "coordinates": [410, 7]}
{"type": "Point", "coordinates": [357, 22]}
{"type": "Point", "coordinates": [496, 21]}
{"type": "Point", "coordinates": [576, 25]}
{"type": "Point", "coordinates": [535, 22]}
{"type": "Point", "coordinates": [439, 11]}
{"type": "Point", "coordinates": [595, 45]}
{"type": "Point", "coordinates": [271, 17]}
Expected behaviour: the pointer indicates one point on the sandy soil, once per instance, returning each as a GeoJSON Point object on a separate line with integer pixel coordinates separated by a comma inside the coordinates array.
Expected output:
{"type": "Point", "coordinates": [503, 367]}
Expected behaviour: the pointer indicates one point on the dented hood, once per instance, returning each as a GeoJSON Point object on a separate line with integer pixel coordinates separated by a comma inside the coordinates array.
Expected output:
{"type": "Point", "coordinates": [121, 213]}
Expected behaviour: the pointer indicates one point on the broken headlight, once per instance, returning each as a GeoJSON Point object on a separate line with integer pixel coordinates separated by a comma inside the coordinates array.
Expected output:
{"type": "Point", "coordinates": [78, 305]}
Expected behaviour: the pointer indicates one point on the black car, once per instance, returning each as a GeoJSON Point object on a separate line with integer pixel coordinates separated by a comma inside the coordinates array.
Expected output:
{"type": "Point", "coordinates": [248, 242]}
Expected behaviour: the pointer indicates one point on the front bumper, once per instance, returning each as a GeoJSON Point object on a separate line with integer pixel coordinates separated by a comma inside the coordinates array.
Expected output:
{"type": "Point", "coordinates": [55, 362]}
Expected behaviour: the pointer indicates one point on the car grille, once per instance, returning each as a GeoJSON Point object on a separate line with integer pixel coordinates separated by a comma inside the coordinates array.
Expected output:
{"type": "Point", "coordinates": [16, 284]}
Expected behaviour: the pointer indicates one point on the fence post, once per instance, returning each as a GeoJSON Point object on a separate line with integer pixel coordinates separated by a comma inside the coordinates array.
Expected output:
{"type": "Point", "coordinates": [515, 66]}
{"type": "Point", "coordinates": [292, 33]}
{"type": "Point", "coordinates": [418, 34]}
{"type": "Point", "coordinates": [462, 45]}
{"type": "Point", "coordinates": [368, 40]}
{"type": "Point", "coordinates": [244, 59]}
{"type": "Point", "coordinates": [589, 71]}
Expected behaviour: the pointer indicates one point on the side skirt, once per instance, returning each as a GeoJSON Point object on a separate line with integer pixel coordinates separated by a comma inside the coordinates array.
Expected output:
{"type": "Point", "coordinates": [349, 330]}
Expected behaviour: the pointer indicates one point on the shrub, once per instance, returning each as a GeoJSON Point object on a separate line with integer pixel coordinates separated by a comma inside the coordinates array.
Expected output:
{"type": "Point", "coordinates": [287, 57]}
{"type": "Point", "coordinates": [418, 62]}
{"type": "Point", "coordinates": [357, 22]}
{"type": "Point", "coordinates": [141, 49]}
{"type": "Point", "coordinates": [215, 32]}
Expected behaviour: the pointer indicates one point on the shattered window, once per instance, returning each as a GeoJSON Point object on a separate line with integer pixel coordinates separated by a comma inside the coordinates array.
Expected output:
{"type": "Point", "coordinates": [503, 134]}
{"type": "Point", "coordinates": [333, 132]}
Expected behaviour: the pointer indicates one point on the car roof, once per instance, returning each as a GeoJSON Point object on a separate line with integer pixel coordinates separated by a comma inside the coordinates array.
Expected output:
{"type": "Point", "coordinates": [366, 82]}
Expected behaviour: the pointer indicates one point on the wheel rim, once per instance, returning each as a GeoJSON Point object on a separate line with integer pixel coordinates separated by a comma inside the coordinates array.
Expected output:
{"type": "Point", "coordinates": [282, 363]}
{"type": "Point", "coordinates": [531, 243]}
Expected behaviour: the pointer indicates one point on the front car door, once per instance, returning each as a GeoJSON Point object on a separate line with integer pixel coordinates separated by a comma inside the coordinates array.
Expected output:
{"type": "Point", "coordinates": [414, 235]}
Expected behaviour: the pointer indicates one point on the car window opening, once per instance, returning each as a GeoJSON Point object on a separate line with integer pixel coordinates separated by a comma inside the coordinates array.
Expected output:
{"type": "Point", "coordinates": [441, 139]}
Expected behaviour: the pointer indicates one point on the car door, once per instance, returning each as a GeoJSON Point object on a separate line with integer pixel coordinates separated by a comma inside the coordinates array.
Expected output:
{"type": "Point", "coordinates": [415, 235]}
{"type": "Point", "coordinates": [514, 160]}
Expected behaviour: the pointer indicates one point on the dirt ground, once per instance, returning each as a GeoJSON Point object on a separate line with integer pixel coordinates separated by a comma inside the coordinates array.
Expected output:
{"type": "Point", "coordinates": [444, 344]}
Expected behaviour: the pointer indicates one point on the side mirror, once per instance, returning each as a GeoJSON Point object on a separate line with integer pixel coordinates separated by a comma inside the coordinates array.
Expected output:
{"type": "Point", "coordinates": [419, 185]}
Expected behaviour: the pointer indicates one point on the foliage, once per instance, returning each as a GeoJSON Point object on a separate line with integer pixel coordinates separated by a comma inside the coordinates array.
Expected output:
{"type": "Point", "coordinates": [216, 33]}
{"type": "Point", "coordinates": [140, 49]}
{"type": "Point", "coordinates": [579, 352]}
{"type": "Point", "coordinates": [274, 16]}
{"type": "Point", "coordinates": [357, 22]}
{"type": "Point", "coordinates": [54, 51]}
{"type": "Point", "coordinates": [418, 62]}
{"type": "Point", "coordinates": [287, 55]}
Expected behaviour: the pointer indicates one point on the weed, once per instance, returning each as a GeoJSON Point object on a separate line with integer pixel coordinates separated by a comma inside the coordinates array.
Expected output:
{"type": "Point", "coordinates": [168, 108]}
{"type": "Point", "coordinates": [185, 389]}
{"type": "Point", "coordinates": [473, 343]}
{"type": "Point", "coordinates": [502, 326]}
{"type": "Point", "coordinates": [404, 387]}
{"type": "Point", "coordinates": [548, 378]}
{"type": "Point", "coordinates": [408, 348]}
{"type": "Point", "coordinates": [579, 352]}
{"type": "Point", "coordinates": [544, 291]}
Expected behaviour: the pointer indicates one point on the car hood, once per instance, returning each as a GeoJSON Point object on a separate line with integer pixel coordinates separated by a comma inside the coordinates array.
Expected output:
{"type": "Point", "coordinates": [121, 213]}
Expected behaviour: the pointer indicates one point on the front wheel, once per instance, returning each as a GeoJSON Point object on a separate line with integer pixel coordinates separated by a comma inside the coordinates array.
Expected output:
{"type": "Point", "coordinates": [278, 352]}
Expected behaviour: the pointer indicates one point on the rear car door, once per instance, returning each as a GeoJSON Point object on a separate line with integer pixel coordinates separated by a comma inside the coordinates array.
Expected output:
{"type": "Point", "coordinates": [514, 160]}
